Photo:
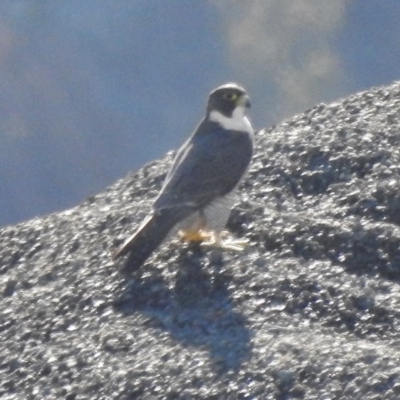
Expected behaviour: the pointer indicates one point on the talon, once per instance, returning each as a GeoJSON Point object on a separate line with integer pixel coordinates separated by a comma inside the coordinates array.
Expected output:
{"type": "Point", "coordinates": [228, 243]}
{"type": "Point", "coordinates": [222, 240]}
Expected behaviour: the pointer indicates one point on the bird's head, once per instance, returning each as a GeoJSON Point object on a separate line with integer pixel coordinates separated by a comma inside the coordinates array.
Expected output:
{"type": "Point", "coordinates": [227, 98]}
{"type": "Point", "coordinates": [227, 103]}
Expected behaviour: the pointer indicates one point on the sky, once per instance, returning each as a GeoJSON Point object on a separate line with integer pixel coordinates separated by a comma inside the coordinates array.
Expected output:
{"type": "Point", "coordinates": [92, 90]}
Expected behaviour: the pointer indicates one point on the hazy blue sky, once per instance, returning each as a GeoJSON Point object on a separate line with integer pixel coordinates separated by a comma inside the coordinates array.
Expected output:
{"type": "Point", "coordinates": [91, 90]}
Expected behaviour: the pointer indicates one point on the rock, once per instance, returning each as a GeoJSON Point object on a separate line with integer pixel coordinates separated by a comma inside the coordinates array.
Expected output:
{"type": "Point", "coordinates": [310, 308]}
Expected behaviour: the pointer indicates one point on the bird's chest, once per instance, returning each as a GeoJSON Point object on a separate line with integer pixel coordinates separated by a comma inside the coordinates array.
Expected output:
{"type": "Point", "coordinates": [213, 217]}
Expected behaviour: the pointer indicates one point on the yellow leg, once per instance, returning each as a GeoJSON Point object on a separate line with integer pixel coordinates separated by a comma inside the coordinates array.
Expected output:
{"type": "Point", "coordinates": [195, 236]}
{"type": "Point", "coordinates": [222, 240]}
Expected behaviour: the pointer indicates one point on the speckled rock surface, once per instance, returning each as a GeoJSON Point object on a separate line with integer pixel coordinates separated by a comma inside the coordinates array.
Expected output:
{"type": "Point", "coordinates": [310, 310]}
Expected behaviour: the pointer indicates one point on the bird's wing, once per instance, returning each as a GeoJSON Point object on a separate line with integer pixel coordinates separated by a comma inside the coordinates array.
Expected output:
{"type": "Point", "coordinates": [209, 165]}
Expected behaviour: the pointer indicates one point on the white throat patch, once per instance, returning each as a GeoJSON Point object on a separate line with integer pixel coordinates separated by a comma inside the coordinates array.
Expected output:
{"type": "Point", "coordinates": [238, 121]}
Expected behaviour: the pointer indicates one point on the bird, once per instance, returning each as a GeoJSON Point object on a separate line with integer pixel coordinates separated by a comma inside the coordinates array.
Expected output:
{"type": "Point", "coordinates": [199, 190]}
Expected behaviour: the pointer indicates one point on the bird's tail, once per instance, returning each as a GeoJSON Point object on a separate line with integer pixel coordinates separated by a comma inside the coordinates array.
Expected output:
{"type": "Point", "coordinates": [147, 238]}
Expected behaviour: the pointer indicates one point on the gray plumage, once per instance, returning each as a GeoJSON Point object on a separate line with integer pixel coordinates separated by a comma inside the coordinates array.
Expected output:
{"type": "Point", "coordinates": [198, 190]}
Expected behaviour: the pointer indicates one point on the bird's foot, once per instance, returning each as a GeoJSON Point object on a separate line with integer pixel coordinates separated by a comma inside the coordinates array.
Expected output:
{"type": "Point", "coordinates": [223, 240]}
{"type": "Point", "coordinates": [195, 236]}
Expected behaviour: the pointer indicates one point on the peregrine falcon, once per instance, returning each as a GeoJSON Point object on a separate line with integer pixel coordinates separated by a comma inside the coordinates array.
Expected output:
{"type": "Point", "coordinates": [198, 192]}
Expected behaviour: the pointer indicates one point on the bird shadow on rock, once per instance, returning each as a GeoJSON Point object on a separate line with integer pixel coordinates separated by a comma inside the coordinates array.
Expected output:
{"type": "Point", "coordinates": [197, 310]}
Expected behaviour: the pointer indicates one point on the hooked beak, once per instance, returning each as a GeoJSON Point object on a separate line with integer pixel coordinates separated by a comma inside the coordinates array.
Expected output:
{"type": "Point", "coordinates": [244, 101]}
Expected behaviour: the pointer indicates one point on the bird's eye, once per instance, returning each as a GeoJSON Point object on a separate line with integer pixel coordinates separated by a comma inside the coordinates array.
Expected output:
{"type": "Point", "coordinates": [230, 96]}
